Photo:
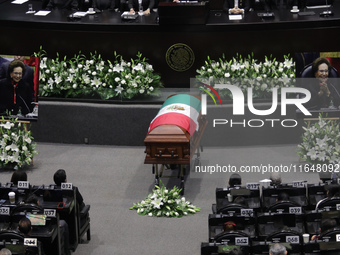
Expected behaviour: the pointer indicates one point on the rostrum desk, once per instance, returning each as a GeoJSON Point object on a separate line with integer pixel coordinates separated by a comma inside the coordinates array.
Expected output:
{"type": "Point", "coordinates": [106, 32]}
{"type": "Point", "coordinates": [174, 140]}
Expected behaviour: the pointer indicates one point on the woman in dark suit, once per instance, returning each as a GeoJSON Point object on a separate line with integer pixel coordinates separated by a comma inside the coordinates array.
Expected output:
{"type": "Point", "coordinates": [146, 4]}
{"type": "Point", "coordinates": [323, 92]}
{"type": "Point", "coordinates": [236, 7]}
{"type": "Point", "coordinates": [15, 93]}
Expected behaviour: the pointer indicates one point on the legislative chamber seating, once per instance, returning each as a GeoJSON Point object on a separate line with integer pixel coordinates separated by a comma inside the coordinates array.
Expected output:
{"type": "Point", "coordinates": [274, 221]}
{"type": "Point", "coordinates": [245, 224]}
{"type": "Point", "coordinates": [252, 197]}
{"type": "Point", "coordinates": [316, 192]}
{"type": "Point", "coordinates": [330, 204]}
{"type": "Point", "coordinates": [17, 243]}
{"type": "Point", "coordinates": [55, 204]}
{"type": "Point", "coordinates": [296, 194]}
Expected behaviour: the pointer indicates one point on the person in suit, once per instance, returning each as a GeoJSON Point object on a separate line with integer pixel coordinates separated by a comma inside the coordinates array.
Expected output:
{"type": "Point", "coordinates": [277, 249]}
{"type": "Point", "coordinates": [28, 77]}
{"type": "Point", "coordinates": [146, 4]}
{"type": "Point", "coordinates": [60, 177]}
{"type": "Point", "coordinates": [326, 225]}
{"type": "Point", "coordinates": [3, 60]}
{"type": "Point", "coordinates": [15, 93]}
{"type": "Point", "coordinates": [62, 5]}
{"type": "Point", "coordinates": [236, 6]}
{"type": "Point", "coordinates": [234, 180]}
{"type": "Point", "coordinates": [19, 175]}
{"type": "Point", "coordinates": [100, 5]}
{"type": "Point", "coordinates": [5, 251]}
{"type": "Point", "coordinates": [25, 226]}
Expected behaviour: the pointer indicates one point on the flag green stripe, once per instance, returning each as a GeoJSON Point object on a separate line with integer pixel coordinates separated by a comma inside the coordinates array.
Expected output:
{"type": "Point", "coordinates": [184, 99]}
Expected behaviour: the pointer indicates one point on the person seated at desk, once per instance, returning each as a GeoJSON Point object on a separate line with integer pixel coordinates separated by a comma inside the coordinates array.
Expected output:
{"type": "Point", "coordinates": [236, 6]}
{"type": "Point", "coordinates": [5, 251]}
{"type": "Point", "coordinates": [277, 249]}
{"type": "Point", "coordinates": [282, 4]}
{"type": "Point", "coordinates": [25, 226]}
{"type": "Point", "coordinates": [15, 93]}
{"type": "Point", "coordinates": [235, 180]}
{"type": "Point", "coordinates": [236, 251]}
{"type": "Point", "coordinates": [283, 196]}
{"type": "Point", "coordinates": [100, 5]}
{"type": "Point", "coordinates": [146, 4]}
{"type": "Point", "coordinates": [33, 199]}
{"type": "Point", "coordinates": [229, 226]}
{"type": "Point", "coordinates": [241, 201]}
{"type": "Point", "coordinates": [19, 175]}
{"type": "Point", "coordinates": [331, 191]}
{"type": "Point", "coordinates": [326, 225]}
{"type": "Point", "coordinates": [2, 61]}
{"type": "Point", "coordinates": [275, 178]}
{"type": "Point", "coordinates": [60, 177]}
{"type": "Point", "coordinates": [28, 76]}
{"type": "Point", "coordinates": [324, 94]}
{"type": "Point", "coordinates": [62, 5]}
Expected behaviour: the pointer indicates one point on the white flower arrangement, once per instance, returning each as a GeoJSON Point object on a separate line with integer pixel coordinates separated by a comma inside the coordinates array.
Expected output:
{"type": "Point", "coordinates": [165, 203]}
{"type": "Point", "coordinates": [16, 145]}
{"type": "Point", "coordinates": [249, 73]}
{"type": "Point", "coordinates": [321, 143]}
{"type": "Point", "coordinates": [92, 78]}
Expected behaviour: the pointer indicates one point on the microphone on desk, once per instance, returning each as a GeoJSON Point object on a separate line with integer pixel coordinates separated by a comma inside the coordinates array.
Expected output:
{"type": "Point", "coordinates": [25, 104]}
{"type": "Point", "coordinates": [327, 12]}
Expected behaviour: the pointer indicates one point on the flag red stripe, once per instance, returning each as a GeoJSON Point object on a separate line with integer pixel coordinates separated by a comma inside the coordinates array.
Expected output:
{"type": "Point", "coordinates": [177, 119]}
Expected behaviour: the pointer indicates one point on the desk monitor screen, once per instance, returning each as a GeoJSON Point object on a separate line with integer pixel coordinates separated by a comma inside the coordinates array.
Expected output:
{"type": "Point", "coordinates": [26, 102]}
{"type": "Point", "coordinates": [37, 219]}
{"type": "Point", "coordinates": [329, 246]}
{"type": "Point", "coordinates": [313, 4]}
{"type": "Point", "coordinates": [240, 192]}
{"type": "Point", "coordinates": [224, 248]}
{"type": "Point", "coordinates": [284, 219]}
{"type": "Point", "coordinates": [331, 215]}
{"type": "Point", "coordinates": [16, 248]}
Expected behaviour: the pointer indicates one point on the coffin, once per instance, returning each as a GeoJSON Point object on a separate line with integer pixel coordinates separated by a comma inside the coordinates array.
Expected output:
{"type": "Point", "coordinates": [168, 140]}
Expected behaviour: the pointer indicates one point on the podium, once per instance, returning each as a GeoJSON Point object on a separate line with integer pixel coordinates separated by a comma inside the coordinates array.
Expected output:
{"type": "Point", "coordinates": [183, 12]}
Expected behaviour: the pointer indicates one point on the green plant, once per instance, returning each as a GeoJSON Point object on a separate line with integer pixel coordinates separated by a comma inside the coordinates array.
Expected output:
{"type": "Point", "coordinates": [248, 72]}
{"type": "Point", "coordinates": [165, 203]}
{"type": "Point", "coordinates": [321, 143]}
{"type": "Point", "coordinates": [95, 77]}
{"type": "Point", "coordinates": [16, 144]}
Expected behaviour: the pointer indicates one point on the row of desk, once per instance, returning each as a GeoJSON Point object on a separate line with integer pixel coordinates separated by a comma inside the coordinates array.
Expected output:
{"type": "Point", "coordinates": [106, 32]}
{"type": "Point", "coordinates": [54, 202]}
{"type": "Point", "coordinates": [259, 225]}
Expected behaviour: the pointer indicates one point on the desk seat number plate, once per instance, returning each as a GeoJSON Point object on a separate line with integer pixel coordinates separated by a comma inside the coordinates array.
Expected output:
{"type": "Point", "coordinates": [295, 210]}
{"type": "Point", "coordinates": [51, 213]}
{"type": "Point", "coordinates": [241, 241]}
{"type": "Point", "coordinates": [4, 210]}
{"type": "Point", "coordinates": [293, 239]}
{"type": "Point", "coordinates": [31, 241]}
{"type": "Point", "coordinates": [66, 186]}
{"type": "Point", "coordinates": [23, 185]}
{"type": "Point", "coordinates": [253, 186]}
